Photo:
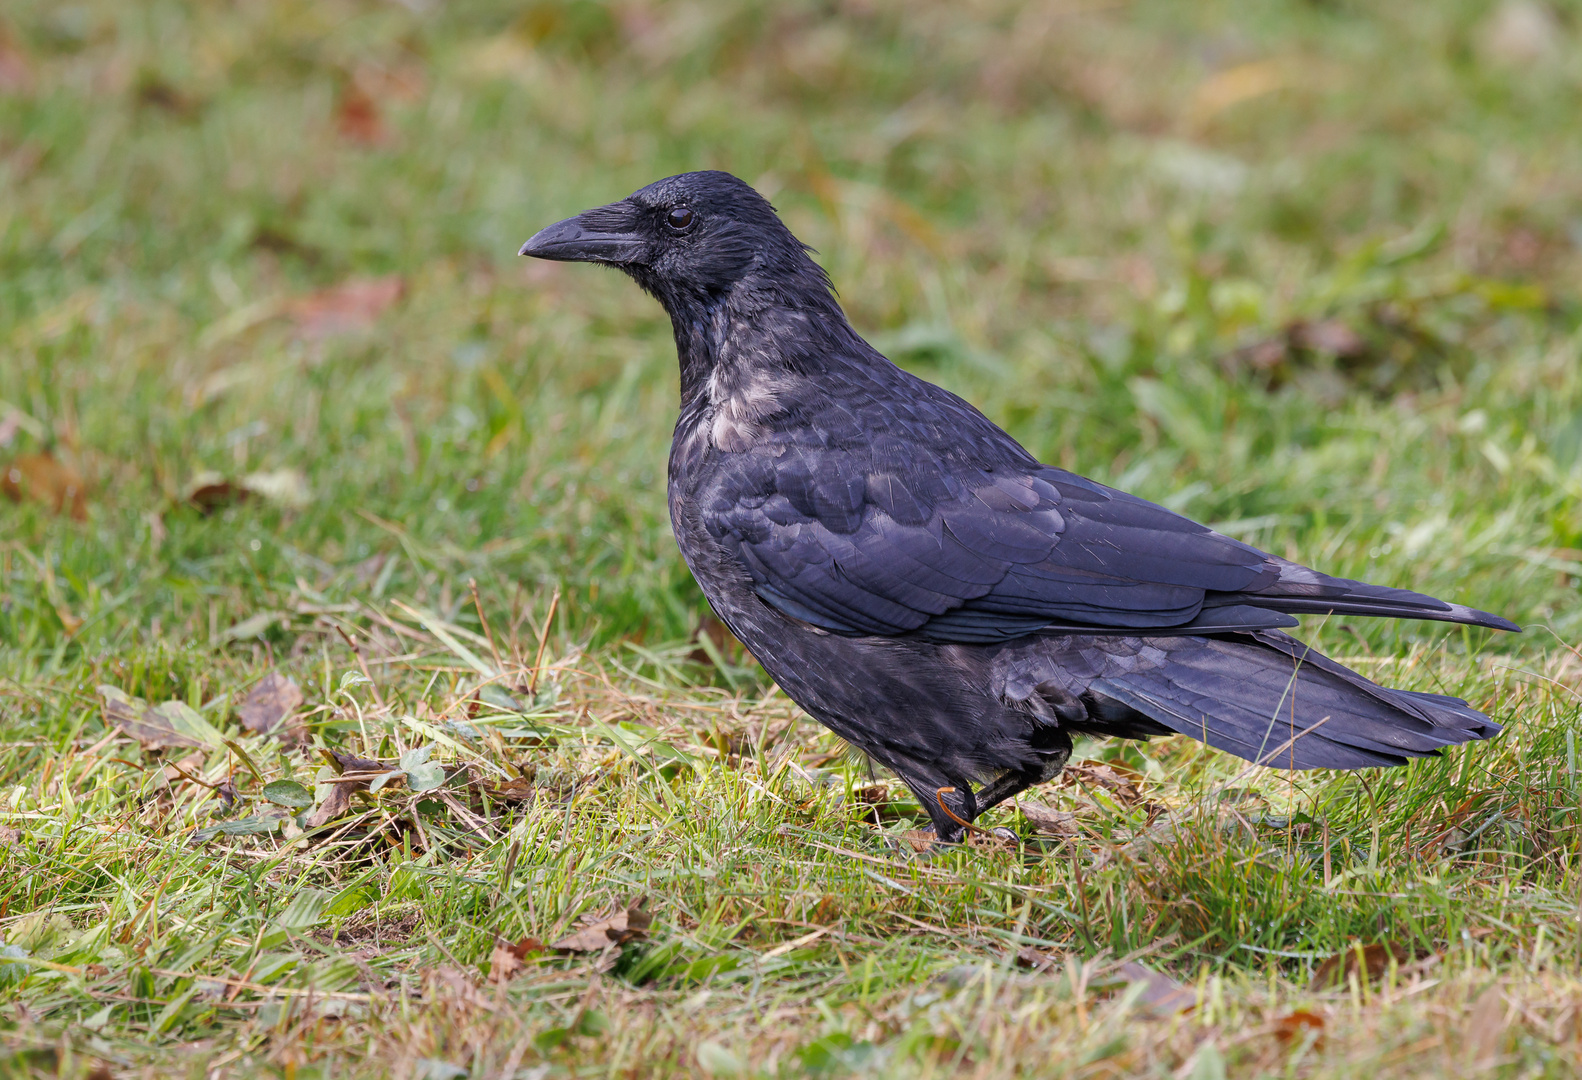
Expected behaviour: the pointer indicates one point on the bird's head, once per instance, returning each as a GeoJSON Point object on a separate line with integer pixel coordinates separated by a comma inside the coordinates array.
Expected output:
{"type": "Point", "coordinates": [690, 240]}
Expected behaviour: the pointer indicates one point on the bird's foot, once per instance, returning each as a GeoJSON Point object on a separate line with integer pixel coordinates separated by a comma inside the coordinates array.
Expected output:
{"type": "Point", "coordinates": [927, 841]}
{"type": "Point", "coordinates": [997, 839]}
{"type": "Point", "coordinates": [920, 842]}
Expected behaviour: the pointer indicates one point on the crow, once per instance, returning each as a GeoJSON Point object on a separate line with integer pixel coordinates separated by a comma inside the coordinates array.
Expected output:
{"type": "Point", "coordinates": [923, 586]}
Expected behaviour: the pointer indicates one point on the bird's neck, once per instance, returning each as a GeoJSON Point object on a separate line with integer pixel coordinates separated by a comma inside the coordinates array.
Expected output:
{"type": "Point", "coordinates": [747, 334]}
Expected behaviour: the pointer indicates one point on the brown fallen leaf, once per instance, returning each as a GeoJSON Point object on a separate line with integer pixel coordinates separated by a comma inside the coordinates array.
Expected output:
{"type": "Point", "coordinates": [1161, 995]}
{"type": "Point", "coordinates": [872, 795]}
{"type": "Point", "coordinates": [617, 929]}
{"type": "Point", "coordinates": [1369, 962]}
{"type": "Point", "coordinates": [355, 775]}
{"type": "Point", "coordinates": [507, 959]}
{"type": "Point", "coordinates": [1037, 959]}
{"type": "Point", "coordinates": [172, 723]}
{"type": "Point", "coordinates": [210, 491]}
{"type": "Point", "coordinates": [16, 71]}
{"type": "Point", "coordinates": [335, 804]}
{"type": "Point", "coordinates": [1122, 783]}
{"type": "Point", "coordinates": [1295, 1025]}
{"type": "Point", "coordinates": [44, 479]}
{"type": "Point", "coordinates": [155, 92]}
{"type": "Point", "coordinates": [1327, 336]}
{"type": "Point", "coordinates": [355, 304]}
{"type": "Point", "coordinates": [1047, 820]}
{"type": "Point", "coordinates": [9, 837]}
{"type": "Point", "coordinates": [268, 705]}
{"type": "Point", "coordinates": [358, 117]}
{"type": "Point", "coordinates": [518, 789]}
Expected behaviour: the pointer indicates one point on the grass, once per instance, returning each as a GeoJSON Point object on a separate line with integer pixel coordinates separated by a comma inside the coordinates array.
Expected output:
{"type": "Point", "coordinates": [1307, 271]}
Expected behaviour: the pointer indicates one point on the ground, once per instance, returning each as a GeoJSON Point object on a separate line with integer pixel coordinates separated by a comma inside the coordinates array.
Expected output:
{"type": "Point", "coordinates": [282, 794]}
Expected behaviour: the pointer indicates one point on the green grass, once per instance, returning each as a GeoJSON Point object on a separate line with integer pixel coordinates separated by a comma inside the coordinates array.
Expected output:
{"type": "Point", "coordinates": [1304, 270]}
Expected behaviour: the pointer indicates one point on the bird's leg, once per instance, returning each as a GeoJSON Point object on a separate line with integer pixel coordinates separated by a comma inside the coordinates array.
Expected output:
{"type": "Point", "coordinates": [1009, 785]}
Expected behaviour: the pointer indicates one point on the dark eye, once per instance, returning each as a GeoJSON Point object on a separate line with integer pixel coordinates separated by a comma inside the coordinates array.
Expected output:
{"type": "Point", "coordinates": [679, 219]}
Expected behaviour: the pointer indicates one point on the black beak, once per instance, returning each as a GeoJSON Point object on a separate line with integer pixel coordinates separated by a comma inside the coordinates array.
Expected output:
{"type": "Point", "coordinates": [608, 234]}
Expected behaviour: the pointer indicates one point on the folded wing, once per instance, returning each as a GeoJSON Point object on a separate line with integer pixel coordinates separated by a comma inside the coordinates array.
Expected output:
{"type": "Point", "coordinates": [977, 554]}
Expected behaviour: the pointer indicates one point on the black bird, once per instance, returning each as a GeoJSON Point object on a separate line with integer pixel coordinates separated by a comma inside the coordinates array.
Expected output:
{"type": "Point", "coordinates": [921, 585]}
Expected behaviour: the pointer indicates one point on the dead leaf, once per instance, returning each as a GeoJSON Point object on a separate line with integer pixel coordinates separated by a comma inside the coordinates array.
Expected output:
{"type": "Point", "coordinates": [356, 774]}
{"type": "Point", "coordinates": [616, 929]}
{"type": "Point", "coordinates": [1047, 820]}
{"type": "Point", "coordinates": [518, 789]}
{"type": "Point", "coordinates": [267, 706]}
{"type": "Point", "coordinates": [358, 117]}
{"type": "Point", "coordinates": [171, 723]}
{"type": "Point", "coordinates": [1327, 336]}
{"type": "Point", "coordinates": [44, 479]}
{"type": "Point", "coordinates": [1161, 995]}
{"type": "Point", "coordinates": [9, 837]}
{"type": "Point", "coordinates": [1122, 783]}
{"type": "Point", "coordinates": [210, 491]}
{"type": "Point", "coordinates": [155, 92]}
{"type": "Point", "coordinates": [16, 72]}
{"type": "Point", "coordinates": [1037, 959]}
{"type": "Point", "coordinates": [334, 806]}
{"type": "Point", "coordinates": [1295, 1025]}
{"type": "Point", "coordinates": [283, 487]}
{"type": "Point", "coordinates": [921, 841]}
{"type": "Point", "coordinates": [506, 960]}
{"type": "Point", "coordinates": [1369, 962]}
{"type": "Point", "coordinates": [350, 764]}
{"type": "Point", "coordinates": [353, 305]}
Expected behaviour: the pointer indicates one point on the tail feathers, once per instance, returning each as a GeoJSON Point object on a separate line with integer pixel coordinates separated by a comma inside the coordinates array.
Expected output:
{"type": "Point", "coordinates": [1267, 697]}
{"type": "Point", "coordinates": [1299, 590]}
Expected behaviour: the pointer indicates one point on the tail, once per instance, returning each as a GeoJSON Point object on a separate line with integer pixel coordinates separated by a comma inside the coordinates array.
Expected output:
{"type": "Point", "coordinates": [1268, 698]}
{"type": "Point", "coordinates": [1298, 590]}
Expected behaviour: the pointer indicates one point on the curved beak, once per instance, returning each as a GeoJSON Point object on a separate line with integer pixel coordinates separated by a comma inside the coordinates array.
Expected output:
{"type": "Point", "coordinates": [608, 234]}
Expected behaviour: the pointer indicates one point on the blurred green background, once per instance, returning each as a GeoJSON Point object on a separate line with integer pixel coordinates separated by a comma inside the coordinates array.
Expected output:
{"type": "Point", "coordinates": [1306, 270]}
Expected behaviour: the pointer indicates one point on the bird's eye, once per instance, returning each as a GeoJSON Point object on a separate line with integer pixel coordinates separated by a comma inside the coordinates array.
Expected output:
{"type": "Point", "coordinates": [679, 219]}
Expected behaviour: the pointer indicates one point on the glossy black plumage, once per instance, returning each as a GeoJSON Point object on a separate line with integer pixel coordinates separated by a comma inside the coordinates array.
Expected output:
{"type": "Point", "coordinates": [915, 580]}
